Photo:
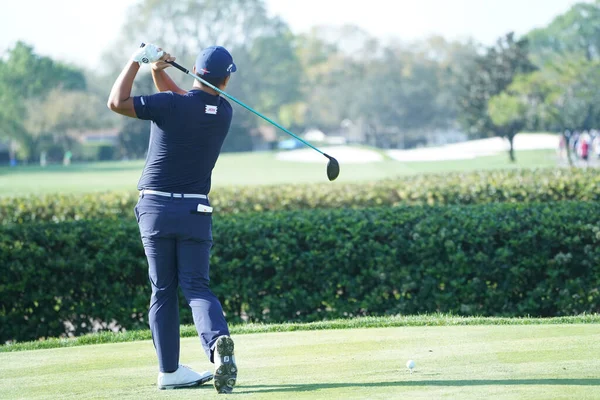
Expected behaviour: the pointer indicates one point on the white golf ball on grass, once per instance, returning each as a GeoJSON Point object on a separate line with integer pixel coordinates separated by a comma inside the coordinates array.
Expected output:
{"type": "Point", "coordinates": [410, 364]}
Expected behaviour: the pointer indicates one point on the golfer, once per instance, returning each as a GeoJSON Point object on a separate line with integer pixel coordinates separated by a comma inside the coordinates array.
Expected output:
{"type": "Point", "coordinates": [173, 212]}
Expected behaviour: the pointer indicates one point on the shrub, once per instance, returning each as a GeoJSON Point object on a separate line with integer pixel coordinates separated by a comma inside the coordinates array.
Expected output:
{"type": "Point", "coordinates": [491, 260]}
{"type": "Point", "coordinates": [457, 188]}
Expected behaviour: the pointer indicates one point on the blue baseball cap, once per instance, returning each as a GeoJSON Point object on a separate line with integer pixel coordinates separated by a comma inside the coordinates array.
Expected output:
{"type": "Point", "coordinates": [215, 62]}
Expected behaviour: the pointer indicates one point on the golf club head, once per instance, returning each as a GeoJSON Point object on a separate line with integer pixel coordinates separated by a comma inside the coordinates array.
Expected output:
{"type": "Point", "coordinates": [333, 168]}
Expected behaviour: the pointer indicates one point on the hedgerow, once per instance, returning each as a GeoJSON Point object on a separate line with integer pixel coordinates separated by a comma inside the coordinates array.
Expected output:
{"type": "Point", "coordinates": [445, 189]}
{"type": "Point", "coordinates": [538, 259]}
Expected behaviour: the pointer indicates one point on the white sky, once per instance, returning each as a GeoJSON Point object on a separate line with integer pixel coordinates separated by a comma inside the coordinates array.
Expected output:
{"type": "Point", "coordinates": [79, 31]}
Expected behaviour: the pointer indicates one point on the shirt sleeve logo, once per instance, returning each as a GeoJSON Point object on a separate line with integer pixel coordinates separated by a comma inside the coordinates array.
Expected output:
{"type": "Point", "coordinates": [210, 110]}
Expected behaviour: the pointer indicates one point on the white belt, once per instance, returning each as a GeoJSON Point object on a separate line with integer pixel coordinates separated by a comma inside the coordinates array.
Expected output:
{"type": "Point", "coordinates": [177, 195]}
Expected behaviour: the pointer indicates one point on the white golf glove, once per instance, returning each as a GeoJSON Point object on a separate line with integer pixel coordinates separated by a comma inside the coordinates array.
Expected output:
{"type": "Point", "coordinates": [147, 54]}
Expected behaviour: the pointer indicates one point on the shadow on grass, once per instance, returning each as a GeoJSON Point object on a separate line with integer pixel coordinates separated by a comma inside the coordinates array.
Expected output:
{"type": "Point", "coordinates": [450, 383]}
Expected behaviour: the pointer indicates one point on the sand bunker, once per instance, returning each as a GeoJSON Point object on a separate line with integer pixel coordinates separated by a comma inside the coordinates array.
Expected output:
{"type": "Point", "coordinates": [476, 148]}
{"type": "Point", "coordinates": [457, 151]}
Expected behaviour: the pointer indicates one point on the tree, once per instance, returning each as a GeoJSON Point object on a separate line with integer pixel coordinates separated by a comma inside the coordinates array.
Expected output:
{"type": "Point", "coordinates": [185, 27]}
{"type": "Point", "coordinates": [16, 72]}
{"type": "Point", "coordinates": [573, 34]}
{"type": "Point", "coordinates": [268, 79]}
{"type": "Point", "coordinates": [556, 98]}
{"type": "Point", "coordinates": [269, 72]}
{"type": "Point", "coordinates": [566, 44]}
{"type": "Point", "coordinates": [331, 80]}
{"type": "Point", "coordinates": [491, 74]}
{"type": "Point", "coordinates": [508, 114]}
{"type": "Point", "coordinates": [393, 91]}
{"type": "Point", "coordinates": [452, 59]}
{"type": "Point", "coordinates": [20, 90]}
{"type": "Point", "coordinates": [56, 119]}
{"type": "Point", "coordinates": [416, 87]}
{"type": "Point", "coordinates": [406, 91]}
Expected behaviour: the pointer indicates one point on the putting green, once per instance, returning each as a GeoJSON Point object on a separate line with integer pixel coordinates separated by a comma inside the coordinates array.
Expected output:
{"type": "Point", "coordinates": [466, 362]}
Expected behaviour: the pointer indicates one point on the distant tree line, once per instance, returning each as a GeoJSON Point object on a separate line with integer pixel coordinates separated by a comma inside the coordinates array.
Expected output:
{"type": "Point", "coordinates": [335, 79]}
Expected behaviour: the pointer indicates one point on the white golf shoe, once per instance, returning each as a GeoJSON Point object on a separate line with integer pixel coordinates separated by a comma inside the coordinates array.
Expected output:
{"type": "Point", "coordinates": [182, 378]}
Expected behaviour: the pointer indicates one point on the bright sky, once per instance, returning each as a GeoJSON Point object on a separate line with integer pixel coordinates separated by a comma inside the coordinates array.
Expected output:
{"type": "Point", "coordinates": [79, 31]}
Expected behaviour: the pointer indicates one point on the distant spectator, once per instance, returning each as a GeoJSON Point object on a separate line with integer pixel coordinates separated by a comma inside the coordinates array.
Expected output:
{"type": "Point", "coordinates": [562, 145]}
{"type": "Point", "coordinates": [574, 144]}
{"type": "Point", "coordinates": [584, 146]}
{"type": "Point", "coordinates": [67, 158]}
{"type": "Point", "coordinates": [585, 149]}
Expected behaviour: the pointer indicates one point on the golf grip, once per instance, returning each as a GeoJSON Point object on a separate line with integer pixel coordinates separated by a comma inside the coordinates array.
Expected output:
{"type": "Point", "coordinates": [179, 67]}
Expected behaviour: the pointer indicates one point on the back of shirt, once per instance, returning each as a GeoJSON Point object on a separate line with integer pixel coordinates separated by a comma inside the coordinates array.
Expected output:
{"type": "Point", "coordinates": [186, 136]}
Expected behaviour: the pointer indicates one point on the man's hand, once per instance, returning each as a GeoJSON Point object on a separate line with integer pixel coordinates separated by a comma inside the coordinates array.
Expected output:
{"type": "Point", "coordinates": [163, 62]}
{"type": "Point", "coordinates": [162, 81]}
{"type": "Point", "coordinates": [147, 54]}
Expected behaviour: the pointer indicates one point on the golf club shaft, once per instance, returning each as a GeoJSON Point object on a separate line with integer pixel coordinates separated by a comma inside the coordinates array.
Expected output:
{"type": "Point", "coordinates": [179, 67]}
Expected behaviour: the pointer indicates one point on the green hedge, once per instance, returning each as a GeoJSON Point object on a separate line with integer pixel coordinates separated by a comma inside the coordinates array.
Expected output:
{"type": "Point", "coordinates": [490, 260]}
{"type": "Point", "coordinates": [456, 188]}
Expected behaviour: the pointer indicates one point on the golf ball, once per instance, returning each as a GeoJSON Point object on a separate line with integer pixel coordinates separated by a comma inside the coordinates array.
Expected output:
{"type": "Point", "coordinates": [410, 364]}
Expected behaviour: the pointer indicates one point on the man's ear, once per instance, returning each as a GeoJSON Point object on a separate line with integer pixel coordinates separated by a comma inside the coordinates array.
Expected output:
{"type": "Point", "coordinates": [194, 69]}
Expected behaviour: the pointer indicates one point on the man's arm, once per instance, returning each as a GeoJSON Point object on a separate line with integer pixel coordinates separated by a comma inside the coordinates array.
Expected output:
{"type": "Point", "coordinates": [120, 100]}
{"type": "Point", "coordinates": [162, 80]}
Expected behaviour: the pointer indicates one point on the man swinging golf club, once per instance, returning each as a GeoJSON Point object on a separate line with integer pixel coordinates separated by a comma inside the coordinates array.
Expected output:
{"type": "Point", "coordinates": [173, 212]}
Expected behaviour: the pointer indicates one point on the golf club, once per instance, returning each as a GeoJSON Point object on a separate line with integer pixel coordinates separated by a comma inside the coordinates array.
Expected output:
{"type": "Point", "coordinates": [333, 167]}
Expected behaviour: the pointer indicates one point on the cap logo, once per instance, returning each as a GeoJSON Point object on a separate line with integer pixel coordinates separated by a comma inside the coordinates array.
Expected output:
{"type": "Point", "coordinates": [204, 71]}
{"type": "Point", "coordinates": [230, 68]}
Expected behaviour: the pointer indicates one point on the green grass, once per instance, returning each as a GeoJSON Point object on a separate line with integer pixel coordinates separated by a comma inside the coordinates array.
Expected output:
{"type": "Point", "coordinates": [544, 361]}
{"type": "Point", "coordinates": [242, 170]}
{"type": "Point", "coordinates": [363, 322]}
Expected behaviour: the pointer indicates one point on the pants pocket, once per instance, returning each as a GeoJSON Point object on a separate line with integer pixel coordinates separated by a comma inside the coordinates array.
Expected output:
{"type": "Point", "coordinates": [199, 226]}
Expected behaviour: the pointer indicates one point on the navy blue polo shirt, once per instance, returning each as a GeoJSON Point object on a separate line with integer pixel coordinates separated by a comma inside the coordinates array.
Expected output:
{"type": "Point", "coordinates": [186, 136]}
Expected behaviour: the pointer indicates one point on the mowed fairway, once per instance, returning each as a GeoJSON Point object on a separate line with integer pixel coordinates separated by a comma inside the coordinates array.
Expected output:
{"type": "Point", "coordinates": [244, 169]}
{"type": "Point", "coordinates": [466, 362]}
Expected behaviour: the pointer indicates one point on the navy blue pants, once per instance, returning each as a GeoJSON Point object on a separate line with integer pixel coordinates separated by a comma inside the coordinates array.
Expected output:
{"type": "Point", "coordinates": [177, 242]}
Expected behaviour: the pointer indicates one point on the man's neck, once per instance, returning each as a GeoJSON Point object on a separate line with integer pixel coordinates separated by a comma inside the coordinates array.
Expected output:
{"type": "Point", "coordinates": [199, 86]}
